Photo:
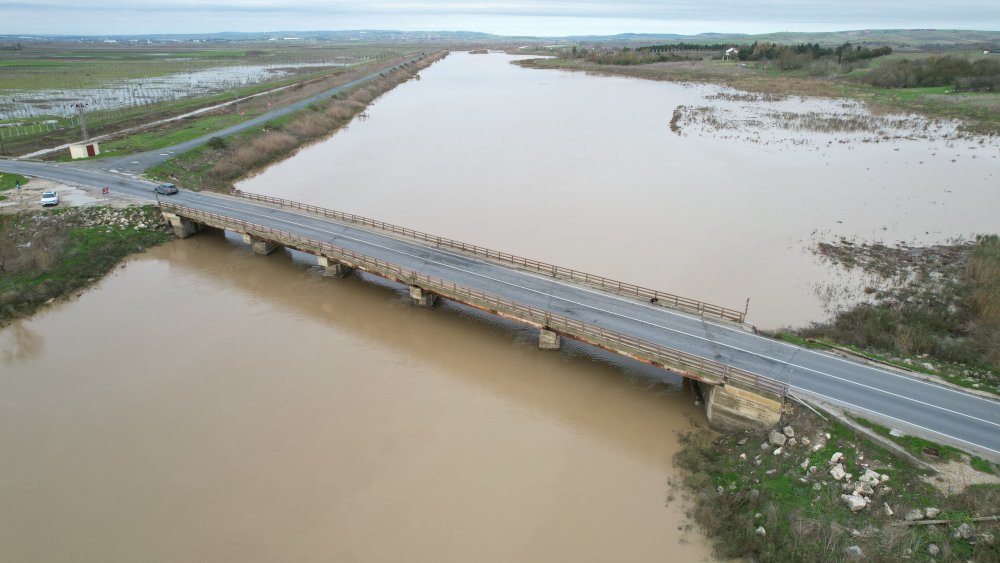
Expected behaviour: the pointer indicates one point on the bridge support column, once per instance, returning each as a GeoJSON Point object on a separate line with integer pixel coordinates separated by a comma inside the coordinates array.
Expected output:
{"type": "Point", "coordinates": [182, 226]}
{"type": "Point", "coordinates": [259, 245]}
{"type": "Point", "coordinates": [421, 297]}
{"type": "Point", "coordinates": [332, 268]}
{"type": "Point", "coordinates": [733, 408]}
{"type": "Point", "coordinates": [548, 340]}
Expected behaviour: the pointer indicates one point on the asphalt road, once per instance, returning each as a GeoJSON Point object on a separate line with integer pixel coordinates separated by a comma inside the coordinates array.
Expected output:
{"type": "Point", "coordinates": [898, 400]}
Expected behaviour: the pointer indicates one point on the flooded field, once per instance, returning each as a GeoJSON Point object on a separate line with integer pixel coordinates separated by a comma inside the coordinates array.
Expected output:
{"type": "Point", "coordinates": [588, 172]}
{"type": "Point", "coordinates": [206, 404]}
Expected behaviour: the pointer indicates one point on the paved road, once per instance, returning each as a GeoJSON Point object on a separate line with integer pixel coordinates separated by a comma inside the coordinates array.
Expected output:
{"type": "Point", "coordinates": [954, 416]}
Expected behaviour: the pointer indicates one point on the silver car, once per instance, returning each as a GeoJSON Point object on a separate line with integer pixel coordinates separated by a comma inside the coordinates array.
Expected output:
{"type": "Point", "coordinates": [50, 198]}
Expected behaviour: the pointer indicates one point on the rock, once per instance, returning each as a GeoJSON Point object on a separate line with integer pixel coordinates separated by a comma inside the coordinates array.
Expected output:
{"type": "Point", "coordinates": [804, 464]}
{"type": "Point", "coordinates": [770, 472]}
{"type": "Point", "coordinates": [930, 513]}
{"type": "Point", "coordinates": [806, 441]}
{"type": "Point", "coordinates": [855, 533]}
{"type": "Point", "coordinates": [854, 502]}
{"type": "Point", "coordinates": [817, 447]}
{"type": "Point", "coordinates": [777, 451]}
{"type": "Point", "coordinates": [827, 435]}
{"type": "Point", "coordinates": [838, 472]}
{"type": "Point", "coordinates": [888, 511]}
{"type": "Point", "coordinates": [756, 516]}
{"type": "Point", "coordinates": [788, 431]}
{"type": "Point", "coordinates": [812, 469]}
{"type": "Point", "coordinates": [927, 365]}
{"type": "Point", "coordinates": [791, 442]}
{"type": "Point", "coordinates": [836, 458]}
{"type": "Point", "coordinates": [986, 538]}
{"type": "Point", "coordinates": [741, 441]}
{"type": "Point", "coordinates": [854, 551]}
{"type": "Point", "coordinates": [756, 462]}
{"type": "Point", "coordinates": [760, 531]}
{"type": "Point", "coordinates": [720, 489]}
{"type": "Point", "coordinates": [817, 486]}
{"type": "Point", "coordinates": [743, 457]}
{"type": "Point", "coordinates": [864, 489]}
{"type": "Point", "coordinates": [870, 477]}
{"type": "Point", "coordinates": [914, 515]}
{"type": "Point", "coordinates": [964, 531]}
{"type": "Point", "coordinates": [776, 438]}
{"type": "Point", "coordinates": [765, 446]}
{"type": "Point", "coordinates": [933, 549]}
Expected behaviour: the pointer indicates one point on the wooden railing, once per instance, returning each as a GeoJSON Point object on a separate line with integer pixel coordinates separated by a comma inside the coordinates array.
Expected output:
{"type": "Point", "coordinates": [618, 287]}
{"type": "Point", "coordinates": [696, 366]}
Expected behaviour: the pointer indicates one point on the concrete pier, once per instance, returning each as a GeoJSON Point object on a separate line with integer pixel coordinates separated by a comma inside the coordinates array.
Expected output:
{"type": "Point", "coordinates": [548, 340]}
{"type": "Point", "coordinates": [422, 297]}
{"type": "Point", "coordinates": [259, 245]}
{"type": "Point", "coordinates": [731, 408]}
{"type": "Point", "coordinates": [182, 226]}
{"type": "Point", "coordinates": [332, 268]}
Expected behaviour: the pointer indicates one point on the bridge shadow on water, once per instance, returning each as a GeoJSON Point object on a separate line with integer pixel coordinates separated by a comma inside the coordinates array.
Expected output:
{"type": "Point", "coordinates": [606, 396]}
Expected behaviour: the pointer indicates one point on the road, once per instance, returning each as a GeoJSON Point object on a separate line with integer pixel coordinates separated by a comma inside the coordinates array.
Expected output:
{"type": "Point", "coordinates": [913, 405]}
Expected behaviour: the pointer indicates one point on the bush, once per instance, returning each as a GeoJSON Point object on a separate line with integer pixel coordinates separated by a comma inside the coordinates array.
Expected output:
{"type": "Point", "coordinates": [216, 143]}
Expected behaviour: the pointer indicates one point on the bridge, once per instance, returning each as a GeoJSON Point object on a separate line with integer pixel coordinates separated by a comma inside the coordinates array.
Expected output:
{"type": "Point", "coordinates": [745, 377]}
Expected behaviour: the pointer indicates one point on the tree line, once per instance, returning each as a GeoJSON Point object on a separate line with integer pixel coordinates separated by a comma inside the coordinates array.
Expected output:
{"type": "Point", "coordinates": [964, 76]}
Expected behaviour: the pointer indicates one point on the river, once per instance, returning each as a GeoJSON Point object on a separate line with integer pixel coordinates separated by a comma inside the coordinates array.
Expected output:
{"type": "Point", "coordinates": [202, 403]}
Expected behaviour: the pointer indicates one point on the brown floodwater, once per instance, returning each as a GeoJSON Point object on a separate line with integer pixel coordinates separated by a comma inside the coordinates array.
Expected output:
{"type": "Point", "coordinates": [202, 403]}
{"type": "Point", "coordinates": [586, 172]}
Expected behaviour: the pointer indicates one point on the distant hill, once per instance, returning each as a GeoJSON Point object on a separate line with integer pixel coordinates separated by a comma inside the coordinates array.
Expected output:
{"type": "Point", "coordinates": [898, 38]}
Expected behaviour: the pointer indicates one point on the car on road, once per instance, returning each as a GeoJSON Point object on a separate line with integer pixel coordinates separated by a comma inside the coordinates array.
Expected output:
{"type": "Point", "coordinates": [50, 198]}
{"type": "Point", "coordinates": [166, 189]}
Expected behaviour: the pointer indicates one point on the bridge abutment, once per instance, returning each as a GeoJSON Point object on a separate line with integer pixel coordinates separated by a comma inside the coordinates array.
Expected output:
{"type": "Point", "coordinates": [182, 226]}
{"type": "Point", "coordinates": [422, 298]}
{"type": "Point", "coordinates": [259, 245]}
{"type": "Point", "coordinates": [332, 268]}
{"type": "Point", "coordinates": [548, 340]}
{"type": "Point", "coordinates": [731, 408]}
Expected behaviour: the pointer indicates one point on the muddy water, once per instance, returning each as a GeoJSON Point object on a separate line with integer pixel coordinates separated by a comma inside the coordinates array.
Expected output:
{"type": "Point", "coordinates": [585, 172]}
{"type": "Point", "coordinates": [205, 404]}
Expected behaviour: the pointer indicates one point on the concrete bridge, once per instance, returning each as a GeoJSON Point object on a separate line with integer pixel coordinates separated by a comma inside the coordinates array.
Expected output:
{"type": "Point", "coordinates": [558, 301]}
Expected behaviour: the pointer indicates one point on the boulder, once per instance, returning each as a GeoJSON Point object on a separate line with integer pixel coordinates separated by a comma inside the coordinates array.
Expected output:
{"type": "Point", "coordinates": [791, 442]}
{"type": "Point", "coordinates": [777, 451]}
{"type": "Point", "coordinates": [838, 472]}
{"type": "Point", "coordinates": [964, 531]}
{"type": "Point", "coordinates": [812, 469]}
{"type": "Point", "coordinates": [743, 457]}
{"type": "Point", "coordinates": [854, 502]}
{"type": "Point", "coordinates": [870, 477]}
{"type": "Point", "coordinates": [914, 515]}
{"type": "Point", "coordinates": [836, 458]}
{"type": "Point", "coordinates": [931, 513]}
{"type": "Point", "coordinates": [760, 531]}
{"type": "Point", "coordinates": [805, 441]}
{"type": "Point", "coordinates": [854, 551]}
{"type": "Point", "coordinates": [788, 431]}
{"type": "Point", "coordinates": [776, 438]}
{"type": "Point", "coordinates": [888, 511]}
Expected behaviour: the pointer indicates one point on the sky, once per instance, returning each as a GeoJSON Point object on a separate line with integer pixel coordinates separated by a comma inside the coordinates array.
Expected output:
{"type": "Point", "coordinates": [503, 17]}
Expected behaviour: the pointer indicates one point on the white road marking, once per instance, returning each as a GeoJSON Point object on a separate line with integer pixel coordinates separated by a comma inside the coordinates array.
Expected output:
{"type": "Point", "coordinates": [612, 313]}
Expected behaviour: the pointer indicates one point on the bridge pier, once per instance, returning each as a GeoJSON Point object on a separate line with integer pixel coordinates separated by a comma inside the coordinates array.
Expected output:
{"type": "Point", "coordinates": [182, 226]}
{"type": "Point", "coordinates": [422, 298]}
{"type": "Point", "coordinates": [332, 268]}
{"type": "Point", "coordinates": [548, 340]}
{"type": "Point", "coordinates": [731, 408]}
{"type": "Point", "coordinates": [259, 245]}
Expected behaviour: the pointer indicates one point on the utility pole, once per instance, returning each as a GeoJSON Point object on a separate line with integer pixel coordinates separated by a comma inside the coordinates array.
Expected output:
{"type": "Point", "coordinates": [83, 121]}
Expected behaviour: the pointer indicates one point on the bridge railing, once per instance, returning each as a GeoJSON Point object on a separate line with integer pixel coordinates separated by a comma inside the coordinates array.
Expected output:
{"type": "Point", "coordinates": [711, 370]}
{"type": "Point", "coordinates": [619, 287]}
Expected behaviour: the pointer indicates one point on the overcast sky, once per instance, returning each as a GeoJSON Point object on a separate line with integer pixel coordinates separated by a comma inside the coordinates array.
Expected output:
{"type": "Point", "coordinates": [513, 17]}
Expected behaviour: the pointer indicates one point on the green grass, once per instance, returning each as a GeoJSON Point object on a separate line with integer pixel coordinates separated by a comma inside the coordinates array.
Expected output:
{"type": "Point", "coordinates": [8, 181]}
{"type": "Point", "coordinates": [804, 523]}
{"type": "Point", "coordinates": [918, 447]}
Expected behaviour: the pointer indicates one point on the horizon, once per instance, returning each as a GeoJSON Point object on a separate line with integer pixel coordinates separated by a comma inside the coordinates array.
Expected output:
{"type": "Point", "coordinates": [531, 18]}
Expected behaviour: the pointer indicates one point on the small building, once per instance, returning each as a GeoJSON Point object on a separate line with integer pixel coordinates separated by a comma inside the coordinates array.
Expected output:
{"type": "Point", "coordinates": [84, 150]}
{"type": "Point", "coordinates": [730, 53]}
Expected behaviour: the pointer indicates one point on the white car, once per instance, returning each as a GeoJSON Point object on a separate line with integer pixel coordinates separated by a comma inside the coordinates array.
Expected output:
{"type": "Point", "coordinates": [50, 198]}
